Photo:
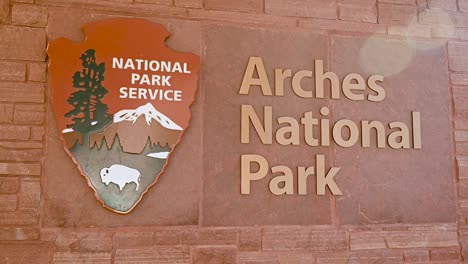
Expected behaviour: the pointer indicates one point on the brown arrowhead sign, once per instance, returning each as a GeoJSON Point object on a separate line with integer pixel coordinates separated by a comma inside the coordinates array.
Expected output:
{"type": "Point", "coordinates": [122, 103]}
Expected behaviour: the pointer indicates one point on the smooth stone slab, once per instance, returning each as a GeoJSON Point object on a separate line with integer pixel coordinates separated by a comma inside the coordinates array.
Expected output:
{"type": "Point", "coordinates": [387, 185]}
{"type": "Point", "coordinates": [225, 58]}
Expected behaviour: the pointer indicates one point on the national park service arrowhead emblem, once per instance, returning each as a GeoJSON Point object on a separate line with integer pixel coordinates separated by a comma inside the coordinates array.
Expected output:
{"type": "Point", "coordinates": [122, 102]}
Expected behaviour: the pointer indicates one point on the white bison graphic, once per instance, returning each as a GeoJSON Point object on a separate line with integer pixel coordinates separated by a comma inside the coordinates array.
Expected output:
{"type": "Point", "coordinates": [120, 175]}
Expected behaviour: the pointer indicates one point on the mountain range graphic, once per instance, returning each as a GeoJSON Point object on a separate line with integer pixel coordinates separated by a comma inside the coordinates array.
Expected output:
{"type": "Point", "coordinates": [134, 128]}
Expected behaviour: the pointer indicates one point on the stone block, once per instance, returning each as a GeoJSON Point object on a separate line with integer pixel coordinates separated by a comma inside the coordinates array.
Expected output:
{"type": "Point", "coordinates": [10, 132]}
{"type": "Point", "coordinates": [445, 254]}
{"type": "Point", "coordinates": [458, 55]}
{"type": "Point", "coordinates": [443, 17]}
{"type": "Point", "coordinates": [413, 30]}
{"type": "Point", "coordinates": [163, 255]}
{"type": "Point", "coordinates": [8, 202]}
{"type": "Point", "coordinates": [37, 72]}
{"type": "Point", "coordinates": [367, 241]}
{"type": "Point", "coordinates": [29, 15]}
{"type": "Point", "coordinates": [133, 239]}
{"type": "Point", "coordinates": [6, 113]}
{"type": "Point", "coordinates": [240, 5]}
{"type": "Point", "coordinates": [22, 43]}
{"type": "Point", "coordinates": [19, 218]}
{"type": "Point", "coordinates": [250, 240]}
{"type": "Point", "coordinates": [98, 242]}
{"type": "Point", "coordinates": [397, 14]}
{"type": "Point", "coordinates": [82, 257]}
{"type": "Point", "coordinates": [9, 185]}
{"type": "Point", "coordinates": [400, 2]}
{"type": "Point", "coordinates": [209, 237]}
{"type": "Point", "coordinates": [459, 78]}
{"type": "Point", "coordinates": [443, 4]}
{"type": "Point", "coordinates": [303, 239]}
{"type": "Point", "coordinates": [37, 133]}
{"type": "Point", "coordinates": [243, 18]}
{"type": "Point", "coordinates": [22, 92]}
{"type": "Point", "coordinates": [29, 114]}
{"type": "Point", "coordinates": [18, 234]}
{"type": "Point", "coordinates": [4, 10]}
{"type": "Point", "coordinates": [365, 12]}
{"type": "Point", "coordinates": [12, 71]}
{"type": "Point", "coordinates": [25, 253]}
{"type": "Point", "coordinates": [326, 24]}
{"type": "Point", "coordinates": [422, 239]}
{"type": "Point", "coordinates": [215, 256]}
{"type": "Point", "coordinates": [463, 5]}
{"type": "Point", "coordinates": [63, 241]}
{"type": "Point", "coordinates": [31, 169]}
{"type": "Point", "coordinates": [189, 3]}
{"type": "Point", "coordinates": [257, 258]}
{"type": "Point", "coordinates": [308, 8]}
{"type": "Point", "coordinates": [29, 193]}
{"type": "Point", "coordinates": [167, 237]}
{"type": "Point", "coordinates": [416, 255]}
{"type": "Point", "coordinates": [154, 2]}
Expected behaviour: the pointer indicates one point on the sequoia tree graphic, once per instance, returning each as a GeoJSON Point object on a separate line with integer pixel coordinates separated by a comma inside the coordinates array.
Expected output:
{"type": "Point", "coordinates": [88, 108]}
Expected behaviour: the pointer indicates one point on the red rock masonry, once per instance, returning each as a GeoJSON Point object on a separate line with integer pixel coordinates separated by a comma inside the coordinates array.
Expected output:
{"type": "Point", "coordinates": [23, 41]}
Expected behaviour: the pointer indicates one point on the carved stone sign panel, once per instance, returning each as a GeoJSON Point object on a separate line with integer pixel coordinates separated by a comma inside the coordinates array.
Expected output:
{"type": "Point", "coordinates": [325, 129]}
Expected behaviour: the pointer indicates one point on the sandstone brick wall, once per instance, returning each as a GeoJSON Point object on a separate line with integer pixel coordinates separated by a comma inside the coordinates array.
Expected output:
{"type": "Point", "coordinates": [27, 235]}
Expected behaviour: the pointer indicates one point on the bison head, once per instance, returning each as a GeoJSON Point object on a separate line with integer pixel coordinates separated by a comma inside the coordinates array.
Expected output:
{"type": "Point", "coordinates": [105, 176]}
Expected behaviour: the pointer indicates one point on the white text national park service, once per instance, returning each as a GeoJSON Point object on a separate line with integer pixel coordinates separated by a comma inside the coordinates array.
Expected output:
{"type": "Point", "coordinates": [152, 73]}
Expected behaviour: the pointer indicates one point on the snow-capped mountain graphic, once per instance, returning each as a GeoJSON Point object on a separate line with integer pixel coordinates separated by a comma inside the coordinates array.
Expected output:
{"type": "Point", "coordinates": [150, 113]}
{"type": "Point", "coordinates": [138, 128]}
